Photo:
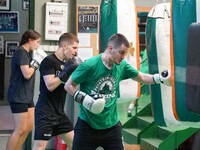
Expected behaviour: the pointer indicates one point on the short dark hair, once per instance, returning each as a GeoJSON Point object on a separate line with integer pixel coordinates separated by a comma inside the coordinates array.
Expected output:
{"type": "Point", "coordinates": [117, 40]}
{"type": "Point", "coordinates": [29, 34]}
{"type": "Point", "coordinates": [68, 38]}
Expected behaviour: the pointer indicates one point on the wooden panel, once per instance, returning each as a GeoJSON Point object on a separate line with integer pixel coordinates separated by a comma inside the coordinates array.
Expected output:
{"type": "Point", "coordinates": [132, 147]}
{"type": "Point", "coordinates": [143, 9]}
{"type": "Point", "coordinates": [94, 42]}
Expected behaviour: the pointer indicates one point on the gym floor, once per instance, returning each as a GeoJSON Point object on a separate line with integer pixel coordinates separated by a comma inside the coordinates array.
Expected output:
{"type": "Point", "coordinates": [6, 121]}
{"type": "Point", "coordinates": [6, 124]}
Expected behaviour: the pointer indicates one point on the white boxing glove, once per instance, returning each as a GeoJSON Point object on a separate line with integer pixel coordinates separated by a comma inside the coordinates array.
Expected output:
{"type": "Point", "coordinates": [93, 103]}
{"type": "Point", "coordinates": [38, 56]}
{"type": "Point", "coordinates": [164, 77]}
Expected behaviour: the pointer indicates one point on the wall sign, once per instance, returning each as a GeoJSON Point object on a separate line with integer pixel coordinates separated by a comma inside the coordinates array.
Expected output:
{"type": "Point", "coordinates": [56, 20]}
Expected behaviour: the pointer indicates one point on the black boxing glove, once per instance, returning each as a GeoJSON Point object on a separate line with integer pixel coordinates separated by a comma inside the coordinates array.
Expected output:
{"type": "Point", "coordinates": [70, 66]}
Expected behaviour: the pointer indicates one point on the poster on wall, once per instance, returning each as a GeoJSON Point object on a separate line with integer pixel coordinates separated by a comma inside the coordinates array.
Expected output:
{"type": "Point", "coordinates": [9, 22]}
{"type": "Point", "coordinates": [87, 19]}
{"type": "Point", "coordinates": [56, 20]}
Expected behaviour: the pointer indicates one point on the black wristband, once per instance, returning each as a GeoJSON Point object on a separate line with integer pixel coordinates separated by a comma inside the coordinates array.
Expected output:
{"type": "Point", "coordinates": [79, 96]}
{"type": "Point", "coordinates": [34, 64]}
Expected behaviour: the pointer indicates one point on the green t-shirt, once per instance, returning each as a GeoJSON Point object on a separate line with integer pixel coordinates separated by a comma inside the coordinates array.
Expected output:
{"type": "Point", "coordinates": [94, 77]}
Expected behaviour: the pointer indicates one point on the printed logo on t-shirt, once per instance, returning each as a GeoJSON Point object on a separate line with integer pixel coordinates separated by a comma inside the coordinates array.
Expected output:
{"type": "Point", "coordinates": [62, 67]}
{"type": "Point", "coordinates": [105, 87]}
{"type": "Point", "coordinates": [47, 134]}
{"type": "Point", "coordinates": [58, 71]}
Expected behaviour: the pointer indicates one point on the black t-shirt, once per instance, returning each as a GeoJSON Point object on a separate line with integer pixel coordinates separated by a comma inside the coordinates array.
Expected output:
{"type": "Point", "coordinates": [51, 103]}
{"type": "Point", "coordinates": [20, 90]}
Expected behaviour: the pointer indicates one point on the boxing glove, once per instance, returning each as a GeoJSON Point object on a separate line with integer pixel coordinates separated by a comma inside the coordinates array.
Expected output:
{"type": "Point", "coordinates": [94, 103]}
{"type": "Point", "coordinates": [164, 78]}
{"type": "Point", "coordinates": [70, 66]}
{"type": "Point", "coordinates": [38, 56]}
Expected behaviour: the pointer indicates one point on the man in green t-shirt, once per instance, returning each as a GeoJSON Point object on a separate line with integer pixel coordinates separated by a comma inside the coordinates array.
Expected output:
{"type": "Point", "coordinates": [99, 77]}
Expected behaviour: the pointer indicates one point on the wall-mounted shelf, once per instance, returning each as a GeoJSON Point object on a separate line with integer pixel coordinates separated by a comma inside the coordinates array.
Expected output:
{"type": "Point", "coordinates": [142, 16]}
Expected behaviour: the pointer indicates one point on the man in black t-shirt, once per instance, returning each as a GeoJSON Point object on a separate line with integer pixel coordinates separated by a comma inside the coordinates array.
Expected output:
{"type": "Point", "coordinates": [55, 69]}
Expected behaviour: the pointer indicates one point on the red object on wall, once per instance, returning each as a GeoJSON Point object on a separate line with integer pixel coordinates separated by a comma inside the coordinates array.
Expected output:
{"type": "Point", "coordinates": [60, 144]}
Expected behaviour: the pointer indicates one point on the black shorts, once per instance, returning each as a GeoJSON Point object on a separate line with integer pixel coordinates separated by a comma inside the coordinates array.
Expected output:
{"type": "Point", "coordinates": [89, 138]}
{"type": "Point", "coordinates": [20, 107]}
{"type": "Point", "coordinates": [48, 126]}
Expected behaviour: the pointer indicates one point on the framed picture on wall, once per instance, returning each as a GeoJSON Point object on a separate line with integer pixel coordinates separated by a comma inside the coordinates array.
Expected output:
{"type": "Point", "coordinates": [25, 4]}
{"type": "Point", "coordinates": [5, 5]}
{"type": "Point", "coordinates": [1, 45]}
{"type": "Point", "coordinates": [9, 22]}
{"type": "Point", "coordinates": [10, 47]}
